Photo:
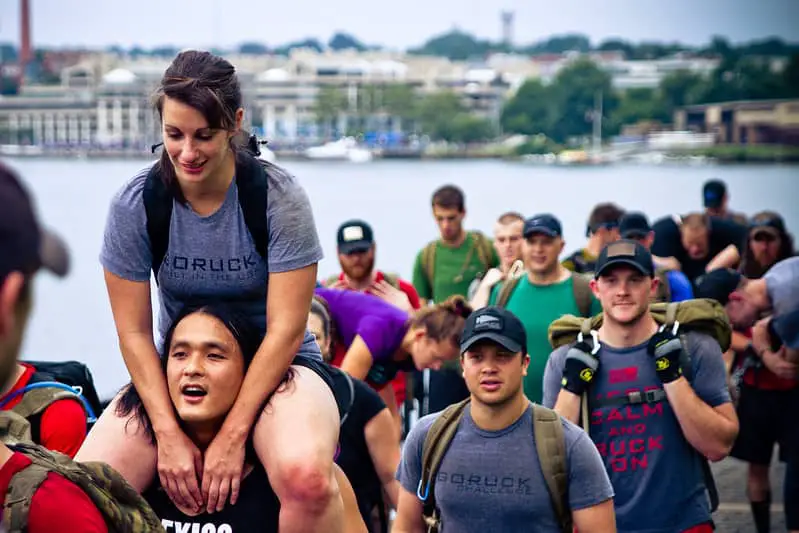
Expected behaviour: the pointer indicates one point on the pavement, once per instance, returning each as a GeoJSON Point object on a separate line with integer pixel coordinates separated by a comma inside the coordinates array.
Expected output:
{"type": "Point", "coordinates": [734, 514]}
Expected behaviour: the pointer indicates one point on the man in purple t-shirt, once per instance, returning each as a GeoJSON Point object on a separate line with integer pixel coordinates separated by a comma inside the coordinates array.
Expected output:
{"type": "Point", "coordinates": [652, 448]}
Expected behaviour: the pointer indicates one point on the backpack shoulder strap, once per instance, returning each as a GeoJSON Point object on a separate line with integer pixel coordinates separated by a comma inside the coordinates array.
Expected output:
{"type": "Point", "coordinates": [484, 249]}
{"type": "Point", "coordinates": [506, 290]}
{"type": "Point", "coordinates": [428, 259]}
{"type": "Point", "coordinates": [550, 445]}
{"type": "Point", "coordinates": [435, 446]}
{"type": "Point", "coordinates": [252, 184]}
{"type": "Point", "coordinates": [20, 493]}
{"type": "Point", "coordinates": [351, 389]}
{"type": "Point", "coordinates": [331, 280]}
{"type": "Point", "coordinates": [392, 279]}
{"type": "Point", "coordinates": [158, 212]}
{"type": "Point", "coordinates": [35, 401]}
{"type": "Point", "coordinates": [14, 428]}
{"type": "Point", "coordinates": [582, 294]}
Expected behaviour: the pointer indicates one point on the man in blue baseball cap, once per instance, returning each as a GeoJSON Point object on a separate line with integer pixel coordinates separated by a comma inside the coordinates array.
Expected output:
{"type": "Point", "coordinates": [544, 292]}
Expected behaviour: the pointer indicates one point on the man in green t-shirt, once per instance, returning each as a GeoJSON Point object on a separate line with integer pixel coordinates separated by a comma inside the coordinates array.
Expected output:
{"type": "Point", "coordinates": [545, 292]}
{"type": "Point", "coordinates": [446, 267]}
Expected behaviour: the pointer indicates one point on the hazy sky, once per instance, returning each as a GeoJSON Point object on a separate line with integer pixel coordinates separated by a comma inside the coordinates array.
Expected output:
{"type": "Point", "coordinates": [396, 24]}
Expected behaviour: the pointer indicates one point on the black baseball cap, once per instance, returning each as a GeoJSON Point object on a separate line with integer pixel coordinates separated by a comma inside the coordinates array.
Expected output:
{"type": "Point", "coordinates": [786, 326]}
{"type": "Point", "coordinates": [354, 236]}
{"type": "Point", "coordinates": [713, 193]}
{"type": "Point", "coordinates": [718, 284]}
{"type": "Point", "coordinates": [625, 252]}
{"type": "Point", "coordinates": [770, 223]}
{"type": "Point", "coordinates": [495, 324]}
{"type": "Point", "coordinates": [634, 226]}
{"type": "Point", "coordinates": [24, 245]}
{"type": "Point", "coordinates": [544, 223]}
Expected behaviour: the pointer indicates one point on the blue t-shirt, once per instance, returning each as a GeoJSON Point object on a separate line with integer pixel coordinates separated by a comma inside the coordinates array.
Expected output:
{"type": "Point", "coordinates": [656, 473]}
{"type": "Point", "coordinates": [679, 286]}
{"type": "Point", "coordinates": [492, 480]}
{"type": "Point", "coordinates": [214, 256]}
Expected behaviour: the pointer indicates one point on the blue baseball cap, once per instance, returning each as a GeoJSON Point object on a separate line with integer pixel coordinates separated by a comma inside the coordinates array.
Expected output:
{"type": "Point", "coordinates": [544, 223]}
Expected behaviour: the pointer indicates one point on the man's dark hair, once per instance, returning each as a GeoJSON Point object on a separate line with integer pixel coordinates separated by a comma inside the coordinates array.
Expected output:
{"type": "Point", "coordinates": [449, 197]}
{"type": "Point", "coordinates": [603, 215]}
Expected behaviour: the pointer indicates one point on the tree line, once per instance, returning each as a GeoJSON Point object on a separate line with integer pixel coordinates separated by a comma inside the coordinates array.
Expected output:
{"type": "Point", "coordinates": [556, 112]}
{"type": "Point", "coordinates": [459, 45]}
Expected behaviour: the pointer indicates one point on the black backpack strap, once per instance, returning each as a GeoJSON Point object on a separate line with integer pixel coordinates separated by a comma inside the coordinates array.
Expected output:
{"type": "Point", "coordinates": [158, 210]}
{"type": "Point", "coordinates": [252, 183]}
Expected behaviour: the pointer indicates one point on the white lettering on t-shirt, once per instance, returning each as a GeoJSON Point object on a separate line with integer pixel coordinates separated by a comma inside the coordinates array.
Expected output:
{"type": "Point", "coordinates": [195, 527]}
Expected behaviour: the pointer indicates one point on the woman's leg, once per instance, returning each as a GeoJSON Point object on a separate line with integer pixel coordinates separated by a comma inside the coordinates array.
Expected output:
{"type": "Point", "coordinates": [295, 438]}
{"type": "Point", "coordinates": [122, 444]}
{"type": "Point", "coordinates": [353, 521]}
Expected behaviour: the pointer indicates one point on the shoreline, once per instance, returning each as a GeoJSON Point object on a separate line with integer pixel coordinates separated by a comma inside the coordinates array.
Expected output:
{"type": "Point", "coordinates": [714, 155]}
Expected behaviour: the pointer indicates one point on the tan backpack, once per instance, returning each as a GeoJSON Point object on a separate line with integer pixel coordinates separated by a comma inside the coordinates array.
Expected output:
{"type": "Point", "coordinates": [122, 508]}
{"type": "Point", "coordinates": [480, 245]}
{"type": "Point", "coordinates": [550, 445]}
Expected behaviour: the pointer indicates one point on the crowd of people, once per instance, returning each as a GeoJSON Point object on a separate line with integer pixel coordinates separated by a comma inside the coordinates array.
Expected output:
{"type": "Point", "coordinates": [508, 386]}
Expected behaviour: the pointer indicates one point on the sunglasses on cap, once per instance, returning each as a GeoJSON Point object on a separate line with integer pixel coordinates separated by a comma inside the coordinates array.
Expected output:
{"type": "Point", "coordinates": [607, 225]}
{"type": "Point", "coordinates": [763, 236]}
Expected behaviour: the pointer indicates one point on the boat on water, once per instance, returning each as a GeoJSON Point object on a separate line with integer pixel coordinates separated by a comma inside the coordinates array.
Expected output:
{"type": "Point", "coordinates": [344, 149]}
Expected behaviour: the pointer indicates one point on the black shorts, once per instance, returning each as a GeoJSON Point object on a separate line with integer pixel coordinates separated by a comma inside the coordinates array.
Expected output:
{"type": "Point", "coordinates": [324, 371]}
{"type": "Point", "coordinates": [766, 418]}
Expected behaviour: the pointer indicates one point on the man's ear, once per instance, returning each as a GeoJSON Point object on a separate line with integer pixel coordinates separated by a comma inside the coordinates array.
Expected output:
{"type": "Point", "coordinates": [10, 293]}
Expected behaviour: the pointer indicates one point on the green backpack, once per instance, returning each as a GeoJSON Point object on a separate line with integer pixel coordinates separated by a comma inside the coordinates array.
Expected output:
{"type": "Point", "coordinates": [480, 244]}
{"type": "Point", "coordinates": [550, 445]}
{"type": "Point", "coordinates": [122, 508]}
{"type": "Point", "coordinates": [701, 315]}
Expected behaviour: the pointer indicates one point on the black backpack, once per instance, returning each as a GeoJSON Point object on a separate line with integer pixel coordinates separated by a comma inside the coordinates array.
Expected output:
{"type": "Point", "coordinates": [252, 183]}
{"type": "Point", "coordinates": [72, 373]}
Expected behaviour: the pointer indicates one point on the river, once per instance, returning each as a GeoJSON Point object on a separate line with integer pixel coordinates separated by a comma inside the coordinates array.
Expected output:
{"type": "Point", "coordinates": [72, 318]}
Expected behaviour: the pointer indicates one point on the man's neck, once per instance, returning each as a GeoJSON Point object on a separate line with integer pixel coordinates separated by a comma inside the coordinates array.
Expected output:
{"type": "Point", "coordinates": [551, 277]}
{"type": "Point", "coordinates": [594, 245]}
{"type": "Point", "coordinates": [496, 418]}
{"type": "Point", "coordinates": [618, 335]}
{"type": "Point", "coordinates": [362, 284]}
{"type": "Point", "coordinates": [202, 434]}
{"type": "Point", "coordinates": [720, 212]}
{"type": "Point", "coordinates": [5, 454]}
{"type": "Point", "coordinates": [12, 379]}
{"type": "Point", "coordinates": [456, 242]}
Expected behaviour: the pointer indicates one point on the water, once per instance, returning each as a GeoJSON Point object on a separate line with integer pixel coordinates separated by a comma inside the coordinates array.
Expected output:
{"type": "Point", "coordinates": [72, 318]}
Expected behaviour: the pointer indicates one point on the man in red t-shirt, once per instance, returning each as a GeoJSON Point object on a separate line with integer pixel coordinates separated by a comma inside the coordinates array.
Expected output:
{"type": "Point", "coordinates": [57, 504]}
{"type": "Point", "coordinates": [356, 255]}
{"type": "Point", "coordinates": [60, 427]}
{"type": "Point", "coordinates": [766, 407]}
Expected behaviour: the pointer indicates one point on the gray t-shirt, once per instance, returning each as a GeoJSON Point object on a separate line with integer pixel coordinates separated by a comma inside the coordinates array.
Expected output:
{"type": "Point", "coordinates": [213, 257]}
{"type": "Point", "coordinates": [492, 480]}
{"type": "Point", "coordinates": [782, 284]}
{"type": "Point", "coordinates": [656, 473]}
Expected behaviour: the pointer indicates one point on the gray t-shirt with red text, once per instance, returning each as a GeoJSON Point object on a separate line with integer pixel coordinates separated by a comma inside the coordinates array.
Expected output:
{"type": "Point", "coordinates": [656, 473]}
{"type": "Point", "coordinates": [213, 257]}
